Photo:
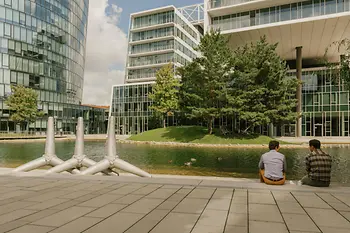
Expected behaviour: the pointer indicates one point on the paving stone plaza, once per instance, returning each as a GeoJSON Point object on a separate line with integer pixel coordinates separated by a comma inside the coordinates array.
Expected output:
{"type": "Point", "coordinates": [92, 204]}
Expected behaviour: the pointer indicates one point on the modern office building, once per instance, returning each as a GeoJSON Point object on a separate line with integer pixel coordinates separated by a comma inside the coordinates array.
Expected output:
{"type": "Point", "coordinates": [42, 46]}
{"type": "Point", "coordinates": [156, 38]}
{"type": "Point", "coordinates": [304, 30]}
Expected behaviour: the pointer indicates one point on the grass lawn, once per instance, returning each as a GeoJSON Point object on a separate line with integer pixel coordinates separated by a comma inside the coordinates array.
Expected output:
{"type": "Point", "coordinates": [196, 134]}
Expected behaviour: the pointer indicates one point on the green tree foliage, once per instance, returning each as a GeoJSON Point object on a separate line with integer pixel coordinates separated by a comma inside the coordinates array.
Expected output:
{"type": "Point", "coordinates": [165, 92]}
{"type": "Point", "coordinates": [261, 90]}
{"type": "Point", "coordinates": [250, 83]}
{"type": "Point", "coordinates": [23, 105]}
{"type": "Point", "coordinates": [204, 89]}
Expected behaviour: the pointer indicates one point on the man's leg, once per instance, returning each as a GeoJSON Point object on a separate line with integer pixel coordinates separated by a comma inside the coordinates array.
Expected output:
{"type": "Point", "coordinates": [307, 181]}
{"type": "Point", "coordinates": [261, 176]}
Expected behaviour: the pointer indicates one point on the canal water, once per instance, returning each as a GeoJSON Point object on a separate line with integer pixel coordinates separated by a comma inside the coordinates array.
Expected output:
{"type": "Point", "coordinates": [224, 162]}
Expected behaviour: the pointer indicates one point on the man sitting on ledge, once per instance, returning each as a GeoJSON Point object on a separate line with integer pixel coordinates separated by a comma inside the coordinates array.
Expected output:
{"type": "Point", "coordinates": [318, 166]}
{"type": "Point", "coordinates": [273, 165]}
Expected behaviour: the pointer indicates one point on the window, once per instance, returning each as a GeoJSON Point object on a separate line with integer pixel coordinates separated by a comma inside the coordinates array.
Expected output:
{"type": "Point", "coordinates": [8, 14]}
{"type": "Point", "coordinates": [8, 30]}
{"type": "Point", "coordinates": [8, 2]}
{"type": "Point", "coordinates": [307, 9]}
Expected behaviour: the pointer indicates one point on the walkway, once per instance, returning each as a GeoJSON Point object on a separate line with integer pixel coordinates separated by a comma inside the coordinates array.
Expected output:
{"type": "Point", "coordinates": [73, 204]}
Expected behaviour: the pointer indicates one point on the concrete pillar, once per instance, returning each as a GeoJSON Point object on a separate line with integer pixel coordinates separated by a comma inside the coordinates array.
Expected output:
{"type": "Point", "coordinates": [299, 67]}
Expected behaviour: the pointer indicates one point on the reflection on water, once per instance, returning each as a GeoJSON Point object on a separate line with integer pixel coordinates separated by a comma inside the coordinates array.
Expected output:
{"type": "Point", "coordinates": [170, 160]}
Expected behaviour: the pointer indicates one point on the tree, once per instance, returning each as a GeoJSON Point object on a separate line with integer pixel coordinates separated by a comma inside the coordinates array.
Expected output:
{"type": "Point", "coordinates": [23, 106]}
{"type": "Point", "coordinates": [261, 90]}
{"type": "Point", "coordinates": [165, 92]}
{"type": "Point", "coordinates": [342, 69]}
{"type": "Point", "coordinates": [204, 86]}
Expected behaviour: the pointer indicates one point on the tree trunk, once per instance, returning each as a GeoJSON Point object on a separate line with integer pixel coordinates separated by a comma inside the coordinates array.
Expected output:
{"type": "Point", "coordinates": [210, 125]}
{"type": "Point", "coordinates": [164, 121]}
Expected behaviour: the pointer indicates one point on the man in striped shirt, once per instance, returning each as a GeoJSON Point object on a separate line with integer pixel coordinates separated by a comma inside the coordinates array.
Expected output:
{"type": "Point", "coordinates": [318, 166]}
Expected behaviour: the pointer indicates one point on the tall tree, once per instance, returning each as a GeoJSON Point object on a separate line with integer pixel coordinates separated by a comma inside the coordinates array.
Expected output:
{"type": "Point", "coordinates": [23, 105]}
{"type": "Point", "coordinates": [204, 90]}
{"type": "Point", "coordinates": [262, 92]}
{"type": "Point", "coordinates": [165, 92]}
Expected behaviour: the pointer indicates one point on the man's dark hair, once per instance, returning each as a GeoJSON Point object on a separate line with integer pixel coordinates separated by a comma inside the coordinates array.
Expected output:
{"type": "Point", "coordinates": [273, 145]}
{"type": "Point", "coordinates": [315, 143]}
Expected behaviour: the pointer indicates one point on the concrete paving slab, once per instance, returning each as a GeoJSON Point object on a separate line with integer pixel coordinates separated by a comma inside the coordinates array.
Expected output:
{"type": "Point", "coordinates": [300, 222]}
{"type": "Point", "coordinates": [106, 210]}
{"type": "Point", "coordinates": [116, 223]}
{"type": "Point", "coordinates": [176, 222]}
{"type": "Point", "coordinates": [328, 218]}
{"type": "Point", "coordinates": [290, 208]}
{"type": "Point", "coordinates": [235, 229]}
{"type": "Point", "coordinates": [143, 206]}
{"type": "Point", "coordinates": [148, 222]}
{"type": "Point", "coordinates": [12, 225]}
{"type": "Point", "coordinates": [191, 206]}
{"type": "Point", "coordinates": [32, 229]}
{"type": "Point", "coordinates": [237, 219]}
{"type": "Point", "coordinates": [258, 212]}
{"type": "Point", "coordinates": [213, 218]}
{"type": "Point", "coordinates": [168, 207]}
{"type": "Point", "coordinates": [78, 225]}
{"type": "Point", "coordinates": [219, 204]}
{"type": "Point", "coordinates": [312, 201]}
{"type": "Point", "coordinates": [64, 216]}
{"type": "Point", "coordinates": [267, 227]}
{"type": "Point", "coordinates": [207, 229]}
{"type": "Point", "coordinates": [261, 198]}
{"type": "Point", "coordinates": [14, 215]}
{"type": "Point", "coordinates": [39, 215]}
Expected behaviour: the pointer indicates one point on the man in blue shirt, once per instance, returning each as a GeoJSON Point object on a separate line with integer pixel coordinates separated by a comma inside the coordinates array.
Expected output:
{"type": "Point", "coordinates": [273, 165]}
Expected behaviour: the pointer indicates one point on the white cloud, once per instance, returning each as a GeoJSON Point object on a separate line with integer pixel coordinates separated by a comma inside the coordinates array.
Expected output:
{"type": "Point", "coordinates": [106, 49]}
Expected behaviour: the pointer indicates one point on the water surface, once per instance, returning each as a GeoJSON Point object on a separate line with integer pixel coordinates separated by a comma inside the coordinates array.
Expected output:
{"type": "Point", "coordinates": [229, 162]}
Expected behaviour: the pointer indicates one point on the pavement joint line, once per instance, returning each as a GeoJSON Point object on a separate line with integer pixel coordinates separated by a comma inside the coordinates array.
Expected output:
{"type": "Point", "coordinates": [169, 210]}
{"type": "Point", "coordinates": [102, 219]}
{"type": "Point", "coordinates": [127, 205]}
{"type": "Point", "coordinates": [68, 200]}
{"type": "Point", "coordinates": [248, 227]}
{"type": "Point", "coordinates": [334, 208]}
{"type": "Point", "coordinates": [204, 210]}
{"type": "Point", "coordinates": [229, 208]}
{"type": "Point", "coordinates": [284, 221]}
{"type": "Point", "coordinates": [158, 206]}
{"type": "Point", "coordinates": [306, 212]}
{"type": "Point", "coordinates": [338, 198]}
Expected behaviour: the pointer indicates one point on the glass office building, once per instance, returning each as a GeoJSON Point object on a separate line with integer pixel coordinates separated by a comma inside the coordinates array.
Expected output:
{"type": "Point", "coordinates": [156, 38]}
{"type": "Point", "coordinates": [304, 31]}
{"type": "Point", "coordinates": [42, 46]}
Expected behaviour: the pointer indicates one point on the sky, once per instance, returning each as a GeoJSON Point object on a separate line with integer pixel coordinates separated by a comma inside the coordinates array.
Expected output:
{"type": "Point", "coordinates": [106, 47]}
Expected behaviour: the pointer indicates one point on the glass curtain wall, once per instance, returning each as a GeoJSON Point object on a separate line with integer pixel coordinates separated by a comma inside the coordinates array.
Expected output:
{"type": "Point", "coordinates": [326, 104]}
{"type": "Point", "coordinates": [42, 46]}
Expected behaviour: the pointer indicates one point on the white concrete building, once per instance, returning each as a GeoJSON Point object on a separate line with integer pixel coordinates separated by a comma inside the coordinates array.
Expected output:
{"type": "Point", "coordinates": [157, 37]}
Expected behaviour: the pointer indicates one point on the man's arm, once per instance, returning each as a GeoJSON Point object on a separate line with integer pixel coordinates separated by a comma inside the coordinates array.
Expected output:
{"type": "Point", "coordinates": [261, 163]}
{"type": "Point", "coordinates": [284, 164]}
{"type": "Point", "coordinates": [307, 164]}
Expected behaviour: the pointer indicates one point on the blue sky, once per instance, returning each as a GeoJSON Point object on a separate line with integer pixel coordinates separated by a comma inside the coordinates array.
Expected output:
{"type": "Point", "coordinates": [132, 6]}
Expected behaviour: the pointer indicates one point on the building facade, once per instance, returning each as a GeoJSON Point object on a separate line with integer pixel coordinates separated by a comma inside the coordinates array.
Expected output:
{"type": "Point", "coordinates": [304, 31]}
{"type": "Point", "coordinates": [156, 38]}
{"type": "Point", "coordinates": [42, 46]}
